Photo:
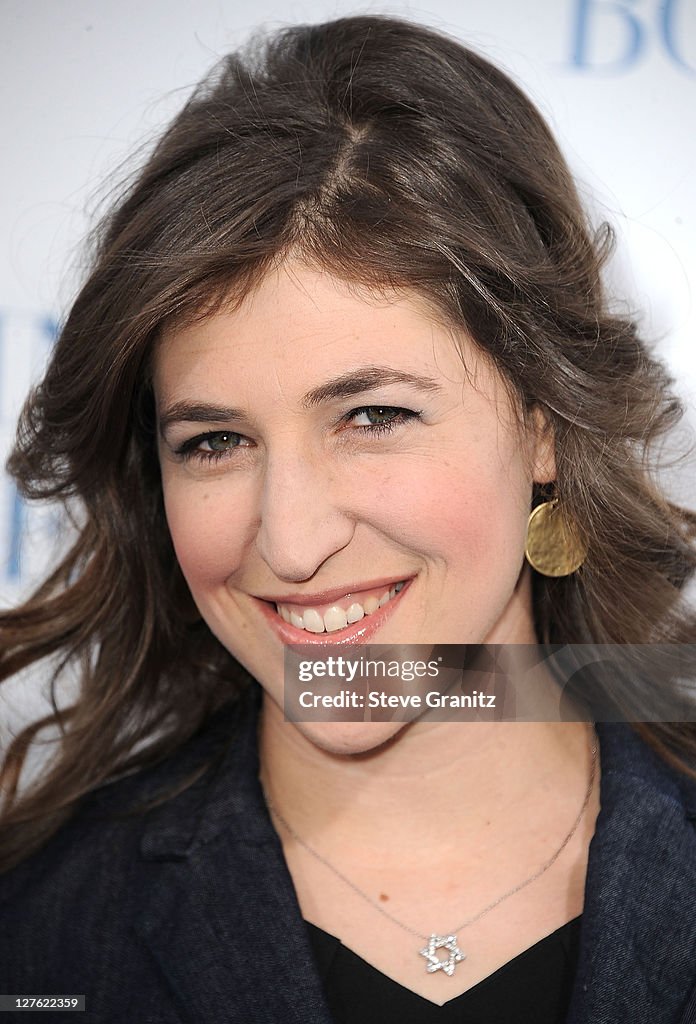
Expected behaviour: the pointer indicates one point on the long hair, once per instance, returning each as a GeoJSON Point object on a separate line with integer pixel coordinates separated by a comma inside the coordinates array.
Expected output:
{"type": "Point", "coordinates": [392, 156]}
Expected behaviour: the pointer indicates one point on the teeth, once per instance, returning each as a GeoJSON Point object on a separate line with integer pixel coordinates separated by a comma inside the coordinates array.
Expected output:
{"type": "Point", "coordinates": [336, 617]}
{"type": "Point", "coordinates": [313, 621]}
{"type": "Point", "coordinates": [355, 612]}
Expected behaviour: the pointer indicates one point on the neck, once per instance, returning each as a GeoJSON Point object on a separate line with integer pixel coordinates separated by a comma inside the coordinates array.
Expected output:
{"type": "Point", "coordinates": [402, 793]}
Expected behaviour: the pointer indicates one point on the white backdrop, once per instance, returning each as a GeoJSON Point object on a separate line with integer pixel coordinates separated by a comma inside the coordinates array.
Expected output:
{"type": "Point", "coordinates": [84, 81]}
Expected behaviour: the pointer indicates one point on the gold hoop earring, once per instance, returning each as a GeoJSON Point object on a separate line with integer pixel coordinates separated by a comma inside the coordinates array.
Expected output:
{"type": "Point", "coordinates": [553, 546]}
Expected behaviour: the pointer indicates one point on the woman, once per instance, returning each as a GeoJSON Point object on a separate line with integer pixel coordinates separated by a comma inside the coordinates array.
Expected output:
{"type": "Point", "coordinates": [342, 336]}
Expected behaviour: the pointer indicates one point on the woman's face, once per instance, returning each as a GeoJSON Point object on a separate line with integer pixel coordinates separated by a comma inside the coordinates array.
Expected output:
{"type": "Point", "coordinates": [323, 446]}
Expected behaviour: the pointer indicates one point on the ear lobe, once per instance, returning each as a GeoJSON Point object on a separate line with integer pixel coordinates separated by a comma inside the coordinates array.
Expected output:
{"type": "Point", "coordinates": [543, 451]}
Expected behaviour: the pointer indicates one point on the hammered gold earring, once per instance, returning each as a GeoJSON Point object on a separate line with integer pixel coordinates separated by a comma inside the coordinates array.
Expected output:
{"type": "Point", "coordinates": [553, 546]}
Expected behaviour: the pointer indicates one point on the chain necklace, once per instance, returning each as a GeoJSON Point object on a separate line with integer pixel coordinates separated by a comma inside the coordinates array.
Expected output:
{"type": "Point", "coordinates": [450, 942]}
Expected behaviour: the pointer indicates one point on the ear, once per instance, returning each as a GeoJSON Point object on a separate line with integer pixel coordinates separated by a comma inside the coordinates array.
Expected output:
{"type": "Point", "coordinates": [542, 447]}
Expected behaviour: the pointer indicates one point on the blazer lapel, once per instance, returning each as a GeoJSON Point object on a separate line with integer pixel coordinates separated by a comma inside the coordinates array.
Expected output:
{"type": "Point", "coordinates": [220, 913]}
{"type": "Point", "coordinates": [638, 938]}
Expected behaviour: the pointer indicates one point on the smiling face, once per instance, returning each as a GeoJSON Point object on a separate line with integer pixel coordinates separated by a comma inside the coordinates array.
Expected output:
{"type": "Point", "coordinates": [340, 466]}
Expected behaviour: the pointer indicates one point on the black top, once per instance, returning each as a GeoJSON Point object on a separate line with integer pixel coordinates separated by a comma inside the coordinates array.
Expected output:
{"type": "Point", "coordinates": [534, 988]}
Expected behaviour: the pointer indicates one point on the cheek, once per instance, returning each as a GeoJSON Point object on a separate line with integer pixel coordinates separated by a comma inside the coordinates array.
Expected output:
{"type": "Point", "coordinates": [209, 531]}
{"type": "Point", "coordinates": [474, 512]}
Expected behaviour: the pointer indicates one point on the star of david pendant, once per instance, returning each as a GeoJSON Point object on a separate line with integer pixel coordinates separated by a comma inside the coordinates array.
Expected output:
{"type": "Point", "coordinates": [448, 942]}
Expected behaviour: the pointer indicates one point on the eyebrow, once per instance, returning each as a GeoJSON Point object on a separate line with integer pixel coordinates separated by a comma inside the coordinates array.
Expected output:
{"type": "Point", "coordinates": [355, 382]}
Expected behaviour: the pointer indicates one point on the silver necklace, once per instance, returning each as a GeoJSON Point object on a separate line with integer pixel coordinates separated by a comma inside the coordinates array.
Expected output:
{"type": "Point", "coordinates": [449, 942]}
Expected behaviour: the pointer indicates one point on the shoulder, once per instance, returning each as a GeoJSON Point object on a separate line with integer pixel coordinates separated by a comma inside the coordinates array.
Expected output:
{"type": "Point", "coordinates": [630, 764]}
{"type": "Point", "coordinates": [91, 877]}
{"type": "Point", "coordinates": [640, 885]}
{"type": "Point", "coordinates": [646, 804]}
{"type": "Point", "coordinates": [117, 815]}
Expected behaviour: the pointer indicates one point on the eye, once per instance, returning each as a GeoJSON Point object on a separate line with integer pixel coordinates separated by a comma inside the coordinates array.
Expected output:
{"type": "Point", "coordinates": [211, 446]}
{"type": "Point", "coordinates": [221, 442]}
{"type": "Point", "coordinates": [380, 418]}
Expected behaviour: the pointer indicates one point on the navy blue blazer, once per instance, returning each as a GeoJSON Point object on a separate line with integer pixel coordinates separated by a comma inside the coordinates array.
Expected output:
{"type": "Point", "coordinates": [188, 915]}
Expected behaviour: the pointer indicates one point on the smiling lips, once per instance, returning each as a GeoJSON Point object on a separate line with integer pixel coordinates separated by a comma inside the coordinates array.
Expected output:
{"type": "Point", "coordinates": [327, 618]}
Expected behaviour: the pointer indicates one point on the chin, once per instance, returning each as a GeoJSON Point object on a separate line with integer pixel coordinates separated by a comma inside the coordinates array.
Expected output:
{"type": "Point", "coordinates": [348, 738]}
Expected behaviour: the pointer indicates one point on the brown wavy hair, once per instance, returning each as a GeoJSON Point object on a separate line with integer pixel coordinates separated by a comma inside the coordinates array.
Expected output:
{"type": "Point", "coordinates": [391, 156]}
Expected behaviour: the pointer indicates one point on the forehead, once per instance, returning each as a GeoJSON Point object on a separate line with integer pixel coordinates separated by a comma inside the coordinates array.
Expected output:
{"type": "Point", "coordinates": [301, 325]}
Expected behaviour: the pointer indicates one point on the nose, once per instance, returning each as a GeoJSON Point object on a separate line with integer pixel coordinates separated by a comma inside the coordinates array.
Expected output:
{"type": "Point", "coordinates": [303, 515]}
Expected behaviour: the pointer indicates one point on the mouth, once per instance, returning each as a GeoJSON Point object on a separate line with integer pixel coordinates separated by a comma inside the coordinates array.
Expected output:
{"type": "Point", "coordinates": [349, 619]}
